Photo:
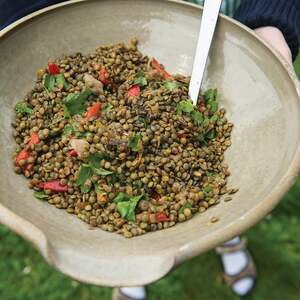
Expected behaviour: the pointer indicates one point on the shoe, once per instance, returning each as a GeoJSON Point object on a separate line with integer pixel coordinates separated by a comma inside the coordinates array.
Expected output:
{"type": "Point", "coordinates": [118, 294]}
{"type": "Point", "coordinates": [238, 265]}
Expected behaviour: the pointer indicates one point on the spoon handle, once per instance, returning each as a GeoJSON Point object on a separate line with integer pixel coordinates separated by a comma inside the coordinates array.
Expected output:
{"type": "Point", "coordinates": [207, 29]}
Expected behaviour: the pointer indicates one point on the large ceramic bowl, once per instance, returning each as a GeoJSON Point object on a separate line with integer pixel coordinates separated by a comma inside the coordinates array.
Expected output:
{"type": "Point", "coordinates": [258, 90]}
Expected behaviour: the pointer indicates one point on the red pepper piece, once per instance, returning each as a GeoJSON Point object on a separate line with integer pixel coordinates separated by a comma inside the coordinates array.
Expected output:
{"type": "Point", "coordinates": [134, 91]}
{"type": "Point", "coordinates": [104, 76]}
{"type": "Point", "coordinates": [24, 154]}
{"type": "Point", "coordinates": [53, 69]}
{"type": "Point", "coordinates": [54, 186]}
{"type": "Point", "coordinates": [161, 217]}
{"type": "Point", "coordinates": [160, 68]}
{"type": "Point", "coordinates": [94, 111]}
{"type": "Point", "coordinates": [34, 139]}
{"type": "Point", "coordinates": [72, 153]}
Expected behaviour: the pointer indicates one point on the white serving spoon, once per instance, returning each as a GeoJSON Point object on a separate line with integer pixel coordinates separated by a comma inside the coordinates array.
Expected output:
{"type": "Point", "coordinates": [207, 29]}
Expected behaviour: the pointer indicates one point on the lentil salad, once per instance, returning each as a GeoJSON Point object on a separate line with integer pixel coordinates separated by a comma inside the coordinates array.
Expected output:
{"type": "Point", "coordinates": [113, 138]}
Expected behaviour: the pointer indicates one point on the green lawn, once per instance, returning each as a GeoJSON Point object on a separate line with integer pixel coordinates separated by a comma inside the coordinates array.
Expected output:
{"type": "Point", "coordinates": [24, 275]}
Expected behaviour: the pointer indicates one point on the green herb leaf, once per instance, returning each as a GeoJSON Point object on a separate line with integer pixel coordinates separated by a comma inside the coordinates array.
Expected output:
{"type": "Point", "coordinates": [40, 195]}
{"type": "Point", "coordinates": [197, 117]}
{"type": "Point", "coordinates": [114, 178]}
{"type": "Point", "coordinates": [214, 118]}
{"type": "Point", "coordinates": [107, 107]}
{"type": "Point", "coordinates": [22, 108]}
{"type": "Point", "coordinates": [75, 104]}
{"type": "Point", "coordinates": [187, 107]}
{"type": "Point", "coordinates": [133, 203]}
{"type": "Point", "coordinates": [171, 85]}
{"type": "Point", "coordinates": [211, 95]}
{"type": "Point", "coordinates": [123, 208]}
{"type": "Point", "coordinates": [211, 99]}
{"type": "Point", "coordinates": [126, 205]}
{"type": "Point", "coordinates": [96, 158]}
{"type": "Point", "coordinates": [97, 188]}
{"type": "Point", "coordinates": [187, 205]}
{"type": "Point", "coordinates": [205, 122]}
{"type": "Point", "coordinates": [184, 106]}
{"type": "Point", "coordinates": [140, 79]}
{"type": "Point", "coordinates": [131, 212]}
{"type": "Point", "coordinates": [85, 189]}
{"type": "Point", "coordinates": [134, 141]}
{"type": "Point", "coordinates": [68, 130]}
{"type": "Point", "coordinates": [213, 106]}
{"type": "Point", "coordinates": [144, 121]}
{"type": "Point", "coordinates": [136, 199]}
{"type": "Point", "coordinates": [66, 113]}
{"type": "Point", "coordinates": [121, 197]}
{"type": "Point", "coordinates": [207, 190]}
{"type": "Point", "coordinates": [60, 80]}
{"type": "Point", "coordinates": [79, 134]}
{"type": "Point", "coordinates": [71, 129]}
{"type": "Point", "coordinates": [211, 174]}
{"type": "Point", "coordinates": [49, 82]}
{"type": "Point", "coordinates": [211, 134]}
{"type": "Point", "coordinates": [200, 138]}
{"type": "Point", "coordinates": [85, 172]}
{"type": "Point", "coordinates": [102, 172]}
{"type": "Point", "coordinates": [127, 208]}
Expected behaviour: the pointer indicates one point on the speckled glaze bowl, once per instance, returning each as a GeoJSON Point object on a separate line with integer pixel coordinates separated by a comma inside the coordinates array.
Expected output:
{"type": "Point", "coordinates": [258, 90]}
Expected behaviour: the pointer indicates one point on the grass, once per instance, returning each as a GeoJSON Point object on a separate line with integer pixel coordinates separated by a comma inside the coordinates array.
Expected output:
{"type": "Point", "coordinates": [275, 245]}
{"type": "Point", "coordinates": [297, 66]}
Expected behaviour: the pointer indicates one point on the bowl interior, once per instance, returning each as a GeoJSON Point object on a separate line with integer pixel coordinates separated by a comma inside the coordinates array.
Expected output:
{"type": "Point", "coordinates": [255, 88]}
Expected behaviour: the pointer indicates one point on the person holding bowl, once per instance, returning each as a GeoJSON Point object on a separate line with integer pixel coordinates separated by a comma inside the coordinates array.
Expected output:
{"type": "Point", "coordinates": [275, 21]}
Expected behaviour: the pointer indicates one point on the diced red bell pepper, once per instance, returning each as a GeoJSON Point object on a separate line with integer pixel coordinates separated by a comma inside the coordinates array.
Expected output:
{"type": "Point", "coordinates": [134, 91]}
{"type": "Point", "coordinates": [54, 186]}
{"type": "Point", "coordinates": [155, 195]}
{"type": "Point", "coordinates": [104, 76]}
{"type": "Point", "coordinates": [157, 66]}
{"type": "Point", "coordinates": [72, 153]}
{"type": "Point", "coordinates": [94, 111]}
{"type": "Point", "coordinates": [161, 217]}
{"type": "Point", "coordinates": [53, 69]}
{"type": "Point", "coordinates": [24, 154]}
{"type": "Point", "coordinates": [34, 139]}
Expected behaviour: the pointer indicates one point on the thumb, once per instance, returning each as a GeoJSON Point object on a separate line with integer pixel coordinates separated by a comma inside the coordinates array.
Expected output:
{"type": "Point", "coordinates": [274, 37]}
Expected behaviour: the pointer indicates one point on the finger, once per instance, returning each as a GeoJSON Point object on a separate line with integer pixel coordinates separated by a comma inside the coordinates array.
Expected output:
{"type": "Point", "coordinates": [274, 37]}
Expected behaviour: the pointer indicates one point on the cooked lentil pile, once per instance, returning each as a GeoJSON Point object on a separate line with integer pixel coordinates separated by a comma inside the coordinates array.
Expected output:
{"type": "Point", "coordinates": [113, 138]}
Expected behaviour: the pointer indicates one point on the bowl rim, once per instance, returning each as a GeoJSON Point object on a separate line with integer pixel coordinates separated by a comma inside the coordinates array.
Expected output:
{"type": "Point", "coordinates": [38, 238]}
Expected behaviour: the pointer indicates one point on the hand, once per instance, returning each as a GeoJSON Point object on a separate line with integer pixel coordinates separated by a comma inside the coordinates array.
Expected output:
{"type": "Point", "coordinates": [274, 37]}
